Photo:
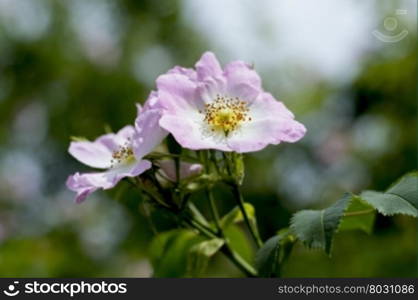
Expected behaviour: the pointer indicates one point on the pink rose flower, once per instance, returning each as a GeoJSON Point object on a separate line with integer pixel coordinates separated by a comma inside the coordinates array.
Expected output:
{"type": "Point", "coordinates": [120, 155]}
{"type": "Point", "coordinates": [225, 109]}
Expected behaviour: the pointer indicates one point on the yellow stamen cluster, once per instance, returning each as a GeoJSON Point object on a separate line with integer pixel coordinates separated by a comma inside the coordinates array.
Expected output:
{"type": "Point", "coordinates": [226, 114]}
{"type": "Point", "coordinates": [123, 155]}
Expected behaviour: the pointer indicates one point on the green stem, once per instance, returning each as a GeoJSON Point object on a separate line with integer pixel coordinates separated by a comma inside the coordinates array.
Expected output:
{"type": "Point", "coordinates": [239, 261]}
{"type": "Point", "coordinates": [240, 200]}
{"type": "Point", "coordinates": [177, 164]}
{"type": "Point", "coordinates": [226, 160]}
{"type": "Point", "coordinates": [226, 248]}
{"type": "Point", "coordinates": [197, 215]}
{"type": "Point", "coordinates": [359, 213]}
{"type": "Point", "coordinates": [202, 223]}
{"type": "Point", "coordinates": [253, 230]}
{"type": "Point", "coordinates": [148, 217]}
{"type": "Point", "coordinates": [214, 161]}
{"type": "Point", "coordinates": [151, 194]}
{"type": "Point", "coordinates": [214, 211]}
{"type": "Point", "coordinates": [227, 251]}
{"type": "Point", "coordinates": [205, 231]}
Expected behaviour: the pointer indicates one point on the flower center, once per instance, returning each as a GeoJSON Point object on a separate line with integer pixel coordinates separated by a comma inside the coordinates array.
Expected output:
{"type": "Point", "coordinates": [123, 155]}
{"type": "Point", "coordinates": [226, 114]}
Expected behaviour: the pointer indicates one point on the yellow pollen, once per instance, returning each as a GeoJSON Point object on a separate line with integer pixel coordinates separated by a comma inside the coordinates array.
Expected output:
{"type": "Point", "coordinates": [123, 155]}
{"type": "Point", "coordinates": [226, 114]}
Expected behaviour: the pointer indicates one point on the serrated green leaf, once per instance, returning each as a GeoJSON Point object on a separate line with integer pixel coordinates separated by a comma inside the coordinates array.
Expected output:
{"type": "Point", "coordinates": [235, 215]}
{"type": "Point", "coordinates": [407, 188]}
{"type": "Point", "coordinates": [169, 250]}
{"type": "Point", "coordinates": [358, 216]}
{"type": "Point", "coordinates": [200, 254]}
{"type": "Point", "coordinates": [388, 204]}
{"type": "Point", "coordinates": [316, 228]}
{"type": "Point", "coordinates": [270, 256]}
{"type": "Point", "coordinates": [400, 198]}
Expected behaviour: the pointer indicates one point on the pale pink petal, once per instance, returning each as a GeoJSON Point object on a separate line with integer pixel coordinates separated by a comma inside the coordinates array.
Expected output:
{"type": "Point", "coordinates": [153, 102]}
{"type": "Point", "coordinates": [113, 141]}
{"type": "Point", "coordinates": [87, 183]}
{"type": "Point", "coordinates": [238, 72]}
{"type": "Point", "coordinates": [190, 73]}
{"type": "Point", "coordinates": [210, 88]}
{"type": "Point", "coordinates": [125, 134]}
{"type": "Point", "coordinates": [178, 94]}
{"type": "Point", "coordinates": [129, 170]}
{"type": "Point", "coordinates": [254, 136]}
{"type": "Point", "coordinates": [271, 123]}
{"type": "Point", "coordinates": [266, 106]}
{"type": "Point", "coordinates": [208, 66]}
{"type": "Point", "coordinates": [98, 154]}
{"type": "Point", "coordinates": [244, 91]}
{"type": "Point", "coordinates": [191, 135]}
{"type": "Point", "coordinates": [93, 154]}
{"type": "Point", "coordinates": [242, 81]}
{"type": "Point", "coordinates": [148, 134]}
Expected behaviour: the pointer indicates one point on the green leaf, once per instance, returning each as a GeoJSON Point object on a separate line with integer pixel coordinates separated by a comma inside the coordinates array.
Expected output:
{"type": "Point", "coordinates": [200, 254]}
{"type": "Point", "coordinates": [271, 256]}
{"type": "Point", "coordinates": [400, 198]}
{"type": "Point", "coordinates": [358, 216]}
{"type": "Point", "coordinates": [169, 252]}
{"type": "Point", "coordinates": [235, 215]}
{"type": "Point", "coordinates": [316, 228]}
{"type": "Point", "coordinates": [239, 241]}
{"type": "Point", "coordinates": [267, 258]}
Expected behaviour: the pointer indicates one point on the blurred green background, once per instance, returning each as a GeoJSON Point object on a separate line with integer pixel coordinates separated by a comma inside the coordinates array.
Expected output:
{"type": "Point", "coordinates": [72, 68]}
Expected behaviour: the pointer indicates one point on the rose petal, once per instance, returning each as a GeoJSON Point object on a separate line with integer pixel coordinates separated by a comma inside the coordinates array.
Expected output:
{"type": "Point", "coordinates": [189, 133]}
{"type": "Point", "coordinates": [245, 92]}
{"type": "Point", "coordinates": [93, 154]}
{"type": "Point", "coordinates": [178, 94]}
{"type": "Point", "coordinates": [190, 73]}
{"type": "Point", "coordinates": [98, 154]}
{"type": "Point", "coordinates": [238, 72]}
{"type": "Point", "coordinates": [87, 183]}
{"type": "Point", "coordinates": [148, 134]}
{"type": "Point", "coordinates": [266, 106]}
{"type": "Point", "coordinates": [271, 123]}
{"type": "Point", "coordinates": [208, 66]}
{"type": "Point", "coordinates": [210, 88]}
{"type": "Point", "coordinates": [253, 136]}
